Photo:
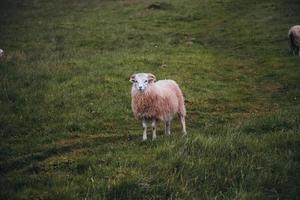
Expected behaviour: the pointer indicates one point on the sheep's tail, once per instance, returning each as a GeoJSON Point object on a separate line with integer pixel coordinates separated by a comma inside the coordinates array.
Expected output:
{"type": "Point", "coordinates": [181, 107]}
{"type": "Point", "coordinates": [182, 110]}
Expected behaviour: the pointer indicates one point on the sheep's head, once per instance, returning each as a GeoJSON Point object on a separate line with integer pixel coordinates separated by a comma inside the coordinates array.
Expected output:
{"type": "Point", "coordinates": [142, 80]}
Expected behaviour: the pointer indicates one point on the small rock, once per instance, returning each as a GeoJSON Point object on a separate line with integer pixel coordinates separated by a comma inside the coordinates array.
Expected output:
{"type": "Point", "coordinates": [163, 66]}
{"type": "Point", "coordinates": [159, 6]}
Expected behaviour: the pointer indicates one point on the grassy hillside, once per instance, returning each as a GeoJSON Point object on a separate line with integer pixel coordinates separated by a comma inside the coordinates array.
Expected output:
{"type": "Point", "coordinates": [66, 126]}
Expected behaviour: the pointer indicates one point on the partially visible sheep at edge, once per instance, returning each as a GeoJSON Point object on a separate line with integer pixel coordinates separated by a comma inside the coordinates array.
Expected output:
{"type": "Point", "coordinates": [294, 39]}
{"type": "Point", "coordinates": [156, 101]}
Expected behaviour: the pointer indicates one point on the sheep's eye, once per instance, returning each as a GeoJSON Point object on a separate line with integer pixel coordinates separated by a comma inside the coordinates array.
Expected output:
{"type": "Point", "coordinates": [145, 81]}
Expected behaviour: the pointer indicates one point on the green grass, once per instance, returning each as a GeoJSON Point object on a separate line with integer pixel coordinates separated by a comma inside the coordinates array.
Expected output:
{"type": "Point", "coordinates": [66, 126]}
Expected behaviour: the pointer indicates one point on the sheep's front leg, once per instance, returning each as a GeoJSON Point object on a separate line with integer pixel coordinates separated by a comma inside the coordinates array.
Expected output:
{"type": "Point", "coordinates": [168, 127]}
{"type": "Point", "coordinates": [145, 130]}
{"type": "Point", "coordinates": [154, 125]}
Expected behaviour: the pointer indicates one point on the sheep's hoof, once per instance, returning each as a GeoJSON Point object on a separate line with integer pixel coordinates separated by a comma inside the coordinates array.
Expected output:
{"type": "Point", "coordinates": [184, 134]}
{"type": "Point", "coordinates": [153, 138]}
{"type": "Point", "coordinates": [144, 139]}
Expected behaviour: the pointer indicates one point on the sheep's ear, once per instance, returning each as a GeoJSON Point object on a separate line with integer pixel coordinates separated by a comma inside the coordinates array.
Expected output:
{"type": "Point", "coordinates": [132, 78]}
{"type": "Point", "coordinates": [151, 78]}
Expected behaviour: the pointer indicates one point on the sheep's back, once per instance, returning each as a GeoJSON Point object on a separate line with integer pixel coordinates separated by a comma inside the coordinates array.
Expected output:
{"type": "Point", "coordinates": [171, 91]}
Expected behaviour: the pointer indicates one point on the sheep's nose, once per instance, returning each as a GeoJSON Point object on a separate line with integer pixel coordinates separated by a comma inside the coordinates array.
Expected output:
{"type": "Point", "coordinates": [140, 87]}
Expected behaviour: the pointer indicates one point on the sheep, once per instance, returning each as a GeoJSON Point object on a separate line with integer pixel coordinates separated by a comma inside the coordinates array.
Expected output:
{"type": "Point", "coordinates": [294, 39]}
{"type": "Point", "coordinates": [1, 53]}
{"type": "Point", "coordinates": [156, 101]}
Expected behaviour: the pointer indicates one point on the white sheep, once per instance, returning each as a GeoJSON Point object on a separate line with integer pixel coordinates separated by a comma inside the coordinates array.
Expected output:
{"type": "Point", "coordinates": [294, 39]}
{"type": "Point", "coordinates": [154, 101]}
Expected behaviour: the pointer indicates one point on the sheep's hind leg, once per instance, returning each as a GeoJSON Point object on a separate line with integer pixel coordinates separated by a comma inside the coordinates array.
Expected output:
{"type": "Point", "coordinates": [154, 126]}
{"type": "Point", "coordinates": [145, 130]}
{"type": "Point", "coordinates": [182, 122]}
{"type": "Point", "coordinates": [168, 127]}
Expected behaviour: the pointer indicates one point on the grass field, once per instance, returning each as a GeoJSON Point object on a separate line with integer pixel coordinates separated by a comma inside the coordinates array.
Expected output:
{"type": "Point", "coordinates": [66, 126]}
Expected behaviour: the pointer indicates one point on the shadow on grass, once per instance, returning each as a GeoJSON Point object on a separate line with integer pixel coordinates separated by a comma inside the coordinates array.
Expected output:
{"type": "Point", "coordinates": [64, 146]}
{"type": "Point", "coordinates": [135, 189]}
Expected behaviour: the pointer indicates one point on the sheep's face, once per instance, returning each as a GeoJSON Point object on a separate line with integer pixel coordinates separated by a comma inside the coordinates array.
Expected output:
{"type": "Point", "coordinates": [141, 81]}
